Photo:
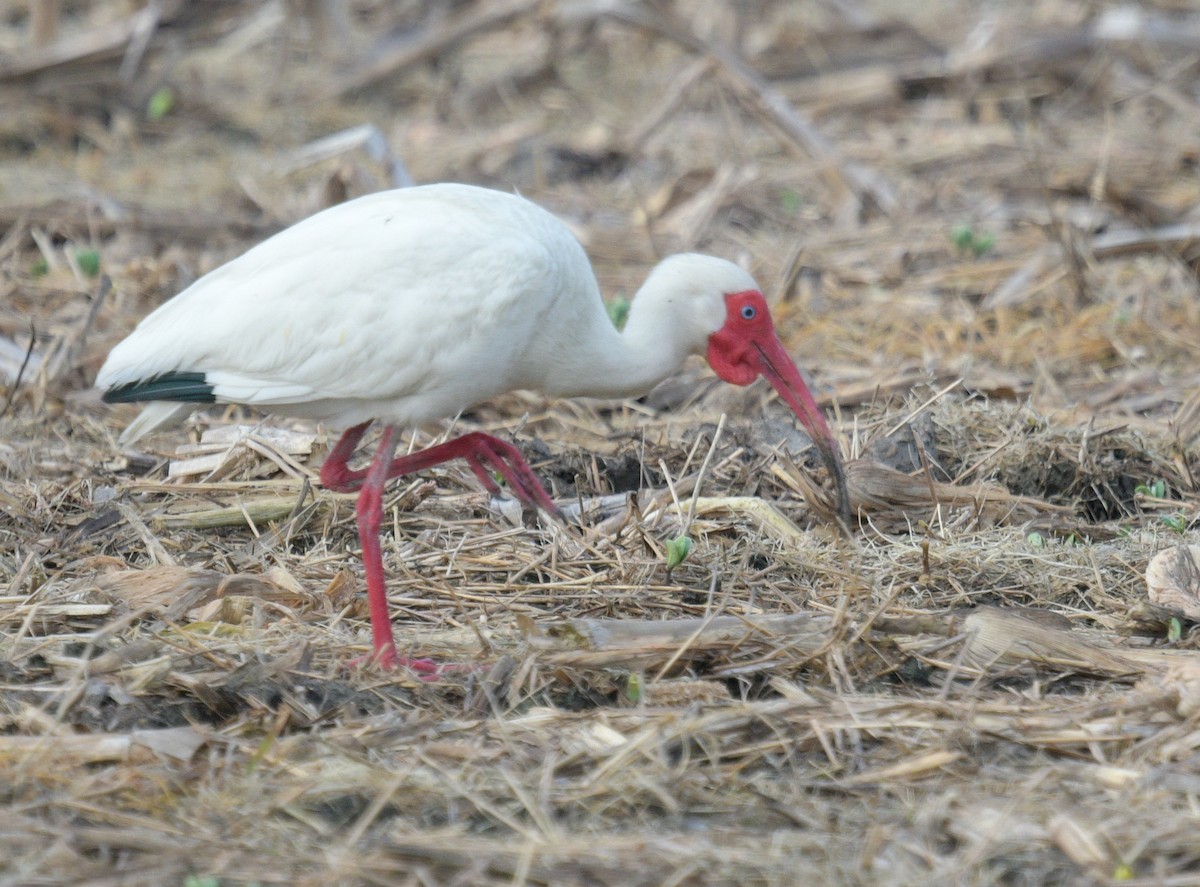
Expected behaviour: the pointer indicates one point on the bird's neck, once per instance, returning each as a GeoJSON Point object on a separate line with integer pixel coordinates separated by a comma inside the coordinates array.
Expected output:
{"type": "Point", "coordinates": [633, 369]}
{"type": "Point", "coordinates": [652, 347]}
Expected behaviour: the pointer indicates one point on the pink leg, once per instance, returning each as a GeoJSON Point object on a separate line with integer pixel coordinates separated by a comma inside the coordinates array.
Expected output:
{"type": "Point", "coordinates": [336, 475]}
{"type": "Point", "coordinates": [370, 519]}
{"type": "Point", "coordinates": [483, 452]}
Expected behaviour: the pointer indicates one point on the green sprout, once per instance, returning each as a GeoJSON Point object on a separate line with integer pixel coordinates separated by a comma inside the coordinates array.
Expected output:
{"type": "Point", "coordinates": [1174, 630]}
{"type": "Point", "coordinates": [1036, 540]}
{"type": "Point", "coordinates": [160, 104]}
{"type": "Point", "coordinates": [677, 551]}
{"type": "Point", "coordinates": [634, 689]}
{"type": "Point", "coordinates": [39, 268]}
{"type": "Point", "coordinates": [1155, 490]}
{"type": "Point", "coordinates": [618, 311]}
{"type": "Point", "coordinates": [965, 240]}
{"type": "Point", "coordinates": [88, 261]}
{"type": "Point", "coordinates": [1176, 522]}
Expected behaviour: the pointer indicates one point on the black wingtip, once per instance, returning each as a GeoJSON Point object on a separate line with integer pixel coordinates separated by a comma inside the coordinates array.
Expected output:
{"type": "Point", "coordinates": [183, 387]}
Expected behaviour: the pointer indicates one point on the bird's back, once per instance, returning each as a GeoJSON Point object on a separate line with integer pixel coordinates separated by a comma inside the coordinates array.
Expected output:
{"type": "Point", "coordinates": [405, 306]}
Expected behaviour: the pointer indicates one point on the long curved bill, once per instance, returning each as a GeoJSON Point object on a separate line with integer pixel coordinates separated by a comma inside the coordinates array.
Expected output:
{"type": "Point", "coordinates": [781, 372]}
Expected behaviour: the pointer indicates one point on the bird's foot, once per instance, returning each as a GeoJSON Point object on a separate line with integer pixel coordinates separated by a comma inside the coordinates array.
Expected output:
{"type": "Point", "coordinates": [387, 660]}
{"type": "Point", "coordinates": [485, 453]}
{"type": "Point", "coordinates": [425, 669]}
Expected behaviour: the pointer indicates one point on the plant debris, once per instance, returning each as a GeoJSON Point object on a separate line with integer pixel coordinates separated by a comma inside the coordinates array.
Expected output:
{"type": "Point", "coordinates": [976, 228]}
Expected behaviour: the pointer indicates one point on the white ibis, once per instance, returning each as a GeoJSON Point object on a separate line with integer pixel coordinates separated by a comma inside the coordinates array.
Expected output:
{"type": "Point", "coordinates": [411, 305]}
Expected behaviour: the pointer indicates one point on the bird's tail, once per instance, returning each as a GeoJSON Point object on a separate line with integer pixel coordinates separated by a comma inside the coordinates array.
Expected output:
{"type": "Point", "coordinates": [156, 414]}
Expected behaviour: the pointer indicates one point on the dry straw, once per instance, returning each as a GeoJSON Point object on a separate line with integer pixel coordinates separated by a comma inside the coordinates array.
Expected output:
{"type": "Point", "coordinates": [977, 231]}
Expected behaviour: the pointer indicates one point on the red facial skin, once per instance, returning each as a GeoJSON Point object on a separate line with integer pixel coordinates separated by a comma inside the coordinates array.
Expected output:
{"type": "Point", "coordinates": [746, 347]}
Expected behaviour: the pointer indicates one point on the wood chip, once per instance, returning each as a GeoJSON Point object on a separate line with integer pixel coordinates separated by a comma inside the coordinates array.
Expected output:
{"type": "Point", "coordinates": [1173, 579]}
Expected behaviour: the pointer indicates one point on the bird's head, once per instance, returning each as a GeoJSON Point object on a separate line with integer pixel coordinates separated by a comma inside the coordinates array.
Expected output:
{"type": "Point", "coordinates": [745, 346]}
{"type": "Point", "coordinates": [716, 309]}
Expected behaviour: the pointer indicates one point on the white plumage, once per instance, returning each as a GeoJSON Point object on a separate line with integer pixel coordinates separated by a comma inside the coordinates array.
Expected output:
{"type": "Point", "coordinates": [411, 305]}
{"type": "Point", "coordinates": [407, 306]}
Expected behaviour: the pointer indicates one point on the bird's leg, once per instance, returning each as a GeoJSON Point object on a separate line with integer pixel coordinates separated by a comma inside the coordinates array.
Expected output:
{"type": "Point", "coordinates": [370, 519]}
{"type": "Point", "coordinates": [511, 465]}
{"type": "Point", "coordinates": [483, 453]}
{"type": "Point", "coordinates": [484, 476]}
{"type": "Point", "coordinates": [336, 474]}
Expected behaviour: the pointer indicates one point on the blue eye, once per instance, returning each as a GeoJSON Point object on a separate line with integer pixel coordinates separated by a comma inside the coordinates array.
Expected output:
{"type": "Point", "coordinates": [748, 312]}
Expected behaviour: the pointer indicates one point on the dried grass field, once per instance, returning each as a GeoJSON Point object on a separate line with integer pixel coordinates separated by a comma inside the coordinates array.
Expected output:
{"type": "Point", "coordinates": [978, 226]}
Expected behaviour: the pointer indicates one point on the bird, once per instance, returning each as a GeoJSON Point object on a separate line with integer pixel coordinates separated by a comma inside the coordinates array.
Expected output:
{"type": "Point", "coordinates": [408, 306]}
